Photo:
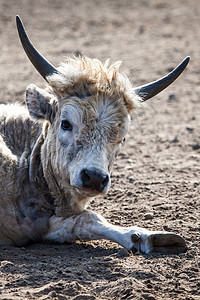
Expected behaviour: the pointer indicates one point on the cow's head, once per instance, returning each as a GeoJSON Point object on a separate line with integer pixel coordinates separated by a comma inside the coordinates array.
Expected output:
{"type": "Point", "coordinates": [86, 107]}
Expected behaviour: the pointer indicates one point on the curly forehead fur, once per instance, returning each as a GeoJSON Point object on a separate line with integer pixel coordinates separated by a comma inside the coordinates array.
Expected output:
{"type": "Point", "coordinates": [84, 77]}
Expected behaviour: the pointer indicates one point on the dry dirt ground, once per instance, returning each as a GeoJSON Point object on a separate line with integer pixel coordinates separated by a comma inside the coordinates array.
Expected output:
{"type": "Point", "coordinates": [159, 168]}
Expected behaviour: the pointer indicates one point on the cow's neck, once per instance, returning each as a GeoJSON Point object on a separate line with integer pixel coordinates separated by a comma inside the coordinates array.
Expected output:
{"type": "Point", "coordinates": [66, 201]}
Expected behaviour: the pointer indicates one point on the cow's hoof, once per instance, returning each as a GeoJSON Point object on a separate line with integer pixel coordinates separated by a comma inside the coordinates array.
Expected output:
{"type": "Point", "coordinates": [156, 241]}
{"type": "Point", "coordinates": [167, 242]}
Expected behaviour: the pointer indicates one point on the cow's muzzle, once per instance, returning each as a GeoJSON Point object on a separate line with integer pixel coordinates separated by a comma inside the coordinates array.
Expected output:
{"type": "Point", "coordinates": [95, 180]}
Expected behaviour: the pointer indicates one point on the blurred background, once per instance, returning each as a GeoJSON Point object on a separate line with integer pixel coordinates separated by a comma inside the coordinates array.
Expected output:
{"type": "Point", "coordinates": [150, 37]}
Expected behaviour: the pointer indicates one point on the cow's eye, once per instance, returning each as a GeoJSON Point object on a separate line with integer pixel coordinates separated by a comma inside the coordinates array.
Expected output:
{"type": "Point", "coordinates": [66, 125]}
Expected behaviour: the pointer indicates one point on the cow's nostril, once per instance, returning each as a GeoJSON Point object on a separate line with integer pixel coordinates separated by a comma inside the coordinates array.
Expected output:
{"type": "Point", "coordinates": [94, 179]}
{"type": "Point", "coordinates": [85, 176]}
{"type": "Point", "coordinates": [105, 181]}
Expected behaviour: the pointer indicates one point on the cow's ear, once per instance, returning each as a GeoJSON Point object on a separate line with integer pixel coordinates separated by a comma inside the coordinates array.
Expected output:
{"type": "Point", "coordinates": [41, 104]}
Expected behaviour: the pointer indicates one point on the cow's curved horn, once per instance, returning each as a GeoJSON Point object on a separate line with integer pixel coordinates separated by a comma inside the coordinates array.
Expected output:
{"type": "Point", "coordinates": [151, 89]}
{"type": "Point", "coordinates": [40, 63]}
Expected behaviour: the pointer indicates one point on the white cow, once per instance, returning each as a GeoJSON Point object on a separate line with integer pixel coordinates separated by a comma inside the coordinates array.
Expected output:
{"type": "Point", "coordinates": [58, 153]}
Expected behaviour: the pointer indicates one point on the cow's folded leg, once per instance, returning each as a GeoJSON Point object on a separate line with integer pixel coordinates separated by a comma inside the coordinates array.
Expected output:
{"type": "Point", "coordinates": [92, 226]}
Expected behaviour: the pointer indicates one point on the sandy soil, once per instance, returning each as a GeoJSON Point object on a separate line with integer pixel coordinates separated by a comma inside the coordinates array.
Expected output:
{"type": "Point", "coordinates": [159, 168]}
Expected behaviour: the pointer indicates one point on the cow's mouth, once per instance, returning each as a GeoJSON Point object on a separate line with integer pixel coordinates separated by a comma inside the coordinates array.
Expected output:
{"type": "Point", "coordinates": [92, 192]}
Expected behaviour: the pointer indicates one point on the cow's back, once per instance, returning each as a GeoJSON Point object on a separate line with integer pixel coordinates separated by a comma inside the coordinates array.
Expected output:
{"type": "Point", "coordinates": [17, 129]}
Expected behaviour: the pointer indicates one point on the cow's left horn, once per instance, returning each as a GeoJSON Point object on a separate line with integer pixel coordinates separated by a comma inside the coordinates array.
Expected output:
{"type": "Point", "coordinates": [40, 63]}
{"type": "Point", "coordinates": [149, 90]}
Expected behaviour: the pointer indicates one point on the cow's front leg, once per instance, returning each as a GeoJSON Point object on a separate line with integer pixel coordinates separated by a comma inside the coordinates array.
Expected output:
{"type": "Point", "coordinates": [92, 226]}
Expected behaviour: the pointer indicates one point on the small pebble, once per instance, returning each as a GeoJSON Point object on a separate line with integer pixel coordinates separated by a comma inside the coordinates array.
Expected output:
{"type": "Point", "coordinates": [122, 253]}
{"type": "Point", "coordinates": [148, 297]}
{"type": "Point", "coordinates": [172, 97]}
{"type": "Point", "coordinates": [52, 294]}
{"type": "Point", "coordinates": [196, 147]}
{"type": "Point", "coordinates": [149, 216]}
{"type": "Point", "coordinates": [175, 140]}
{"type": "Point", "coordinates": [129, 194]}
{"type": "Point", "coordinates": [189, 129]}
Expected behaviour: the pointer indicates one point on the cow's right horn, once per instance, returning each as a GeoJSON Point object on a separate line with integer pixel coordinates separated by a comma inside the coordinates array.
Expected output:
{"type": "Point", "coordinates": [40, 63]}
{"type": "Point", "coordinates": [151, 89]}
